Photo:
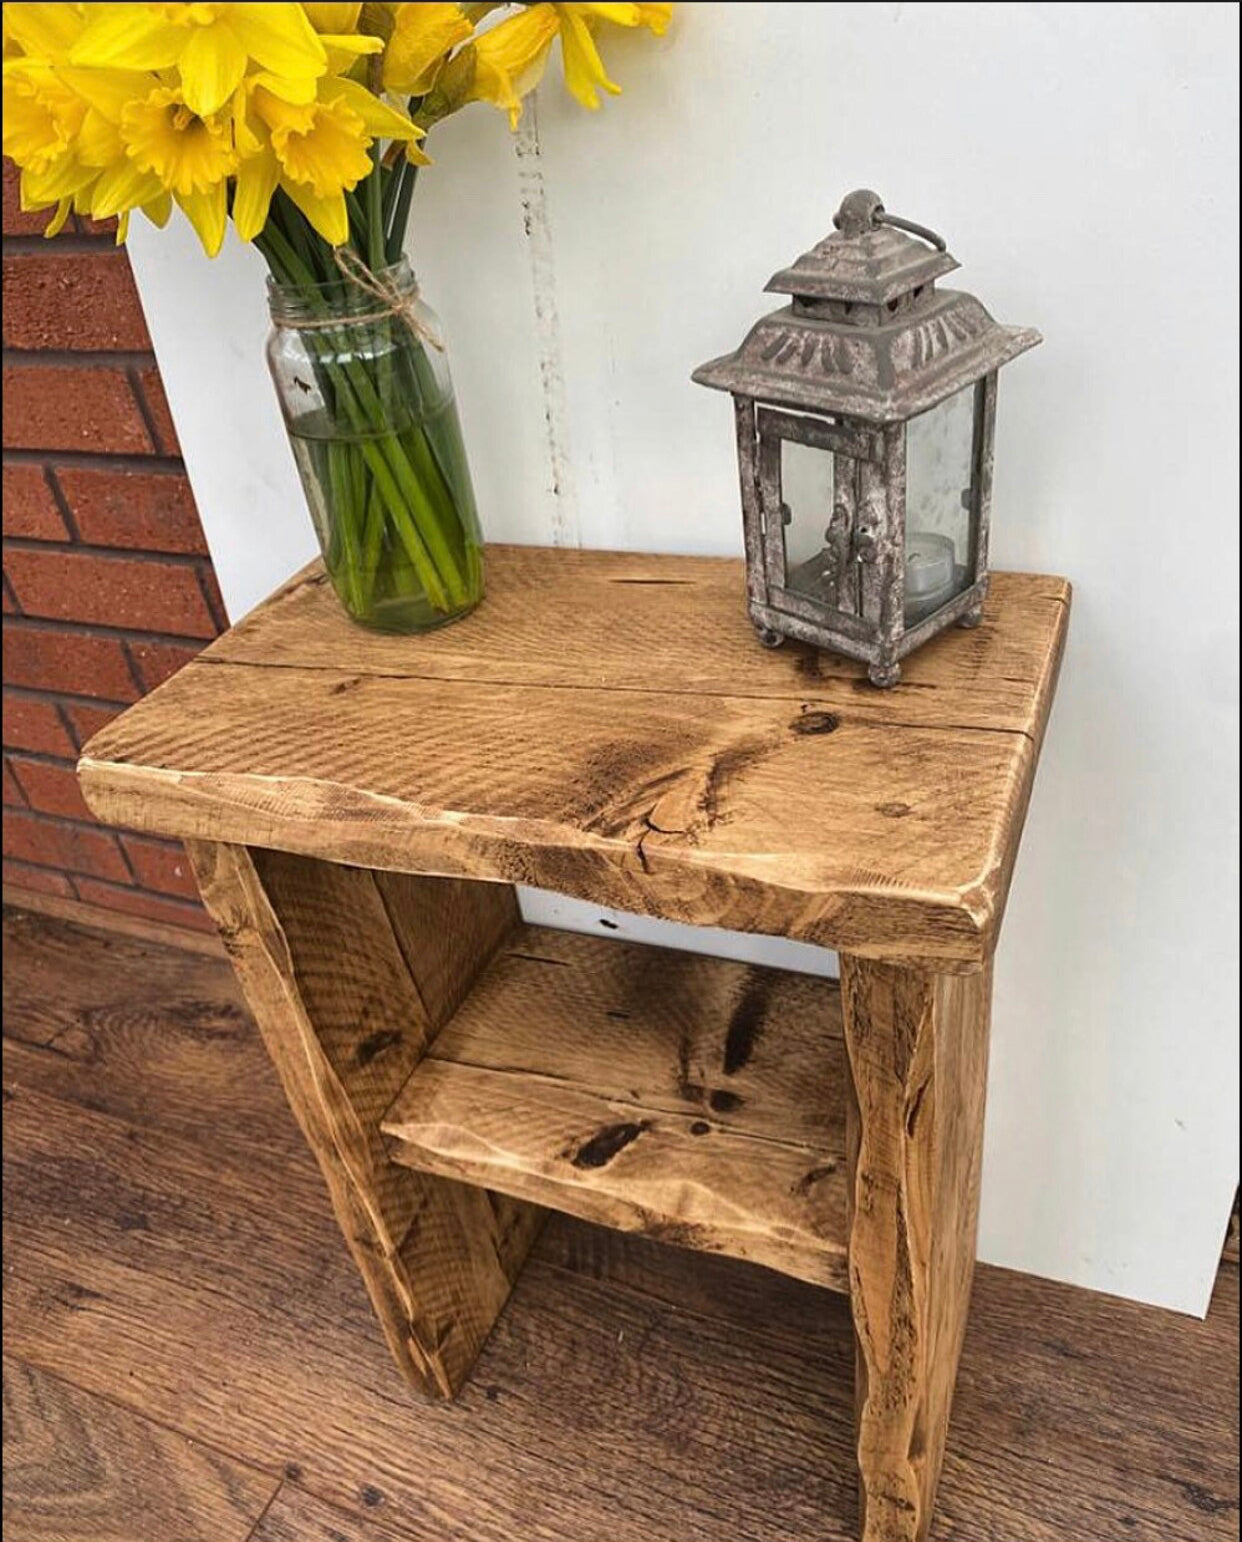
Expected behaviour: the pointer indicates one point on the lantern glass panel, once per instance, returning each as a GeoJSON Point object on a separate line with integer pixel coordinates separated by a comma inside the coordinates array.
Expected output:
{"type": "Point", "coordinates": [941, 503]}
{"type": "Point", "coordinates": [807, 479]}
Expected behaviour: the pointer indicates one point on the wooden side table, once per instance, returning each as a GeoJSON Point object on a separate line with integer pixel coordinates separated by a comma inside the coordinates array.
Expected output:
{"type": "Point", "coordinates": [358, 808]}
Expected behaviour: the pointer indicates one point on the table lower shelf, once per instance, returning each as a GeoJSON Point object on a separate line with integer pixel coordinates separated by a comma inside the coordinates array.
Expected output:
{"type": "Point", "coordinates": [695, 1099]}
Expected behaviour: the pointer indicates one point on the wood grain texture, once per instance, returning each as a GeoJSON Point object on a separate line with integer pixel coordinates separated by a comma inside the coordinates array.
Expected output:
{"type": "Point", "coordinates": [349, 984]}
{"type": "Point", "coordinates": [296, 1516]}
{"type": "Point", "coordinates": [629, 1391]}
{"type": "Point", "coordinates": [917, 1053]}
{"type": "Point", "coordinates": [116, 922]}
{"type": "Point", "coordinates": [608, 726]}
{"type": "Point", "coordinates": [695, 1099]}
{"type": "Point", "coordinates": [186, 1038]}
{"type": "Point", "coordinates": [79, 1469]}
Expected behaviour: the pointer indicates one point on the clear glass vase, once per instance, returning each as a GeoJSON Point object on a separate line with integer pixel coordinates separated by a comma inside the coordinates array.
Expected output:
{"type": "Point", "coordinates": [365, 390]}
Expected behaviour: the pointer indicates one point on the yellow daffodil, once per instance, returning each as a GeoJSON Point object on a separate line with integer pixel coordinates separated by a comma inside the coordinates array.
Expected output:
{"type": "Point", "coordinates": [42, 116]}
{"type": "Point", "coordinates": [584, 69]}
{"type": "Point", "coordinates": [510, 58]}
{"type": "Point", "coordinates": [422, 37]}
{"type": "Point", "coordinates": [188, 152]}
{"type": "Point", "coordinates": [655, 17]}
{"type": "Point", "coordinates": [334, 18]}
{"type": "Point", "coordinates": [43, 32]}
{"type": "Point", "coordinates": [210, 45]}
{"type": "Point", "coordinates": [317, 152]}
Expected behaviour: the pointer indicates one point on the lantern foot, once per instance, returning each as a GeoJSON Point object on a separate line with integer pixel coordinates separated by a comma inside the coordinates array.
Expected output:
{"type": "Point", "coordinates": [768, 637]}
{"type": "Point", "coordinates": [972, 617]}
{"type": "Point", "coordinates": [884, 675]}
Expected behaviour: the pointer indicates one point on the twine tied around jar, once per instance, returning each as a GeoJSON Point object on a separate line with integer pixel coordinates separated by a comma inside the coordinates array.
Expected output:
{"type": "Point", "coordinates": [391, 302]}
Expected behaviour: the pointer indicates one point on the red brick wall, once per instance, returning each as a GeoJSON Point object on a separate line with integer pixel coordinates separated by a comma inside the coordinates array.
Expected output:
{"type": "Point", "coordinates": [108, 587]}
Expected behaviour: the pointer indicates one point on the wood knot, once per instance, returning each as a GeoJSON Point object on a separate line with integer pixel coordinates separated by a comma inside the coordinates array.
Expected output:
{"type": "Point", "coordinates": [605, 1144]}
{"type": "Point", "coordinates": [375, 1044]}
{"type": "Point", "coordinates": [816, 723]}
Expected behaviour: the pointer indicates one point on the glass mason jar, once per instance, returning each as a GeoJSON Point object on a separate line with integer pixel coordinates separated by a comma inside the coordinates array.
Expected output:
{"type": "Point", "coordinates": [364, 387]}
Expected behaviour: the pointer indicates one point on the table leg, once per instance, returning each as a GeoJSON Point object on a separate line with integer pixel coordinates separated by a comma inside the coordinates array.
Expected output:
{"type": "Point", "coordinates": [349, 974]}
{"type": "Point", "coordinates": [917, 1055]}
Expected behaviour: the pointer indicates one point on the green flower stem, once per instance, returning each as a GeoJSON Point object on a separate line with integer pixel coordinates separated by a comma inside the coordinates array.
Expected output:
{"type": "Point", "coordinates": [372, 542]}
{"type": "Point", "coordinates": [375, 211]}
{"type": "Point", "coordinates": [392, 186]}
{"type": "Point", "coordinates": [401, 210]}
{"type": "Point", "coordinates": [339, 483]}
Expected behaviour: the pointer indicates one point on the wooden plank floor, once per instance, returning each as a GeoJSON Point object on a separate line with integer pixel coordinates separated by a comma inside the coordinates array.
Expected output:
{"type": "Point", "coordinates": [189, 1356]}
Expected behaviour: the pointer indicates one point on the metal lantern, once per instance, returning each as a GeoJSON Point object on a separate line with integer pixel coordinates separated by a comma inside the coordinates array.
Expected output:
{"type": "Point", "coordinates": [865, 414]}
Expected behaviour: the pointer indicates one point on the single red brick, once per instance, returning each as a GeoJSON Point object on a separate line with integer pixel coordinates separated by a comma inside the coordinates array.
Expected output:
{"type": "Point", "coordinates": [72, 407]}
{"type": "Point", "coordinates": [82, 300]}
{"type": "Point", "coordinates": [160, 865]}
{"type": "Point", "coordinates": [17, 222]}
{"type": "Point", "coordinates": [48, 842]}
{"type": "Point", "coordinates": [157, 406]}
{"type": "Point", "coordinates": [42, 880]}
{"type": "Point", "coordinates": [29, 507]}
{"type": "Point", "coordinates": [69, 585]}
{"type": "Point", "coordinates": [12, 788]}
{"type": "Point", "coordinates": [77, 662]}
{"type": "Point", "coordinates": [159, 661]}
{"type": "Point", "coordinates": [35, 725]}
{"type": "Point", "coordinates": [86, 721]}
{"type": "Point", "coordinates": [50, 789]}
{"type": "Point", "coordinates": [148, 510]}
{"type": "Point", "coordinates": [151, 907]}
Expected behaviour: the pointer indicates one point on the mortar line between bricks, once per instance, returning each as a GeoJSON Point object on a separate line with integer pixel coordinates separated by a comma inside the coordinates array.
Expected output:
{"type": "Point", "coordinates": [131, 663]}
{"type": "Point", "coordinates": [101, 629]}
{"type": "Point", "coordinates": [144, 407]}
{"type": "Point", "coordinates": [178, 559]}
{"type": "Point", "coordinates": [94, 825]}
{"type": "Point", "coordinates": [40, 867]}
{"type": "Point", "coordinates": [41, 757]}
{"type": "Point", "coordinates": [129, 866]}
{"type": "Point", "coordinates": [11, 594]}
{"type": "Point", "coordinates": [66, 698]}
{"type": "Point", "coordinates": [91, 460]}
{"type": "Point", "coordinates": [92, 358]}
{"type": "Point", "coordinates": [66, 722]}
{"type": "Point", "coordinates": [202, 571]}
{"type": "Point", "coordinates": [61, 502]}
{"type": "Point", "coordinates": [67, 241]}
{"type": "Point", "coordinates": [16, 781]}
{"type": "Point", "coordinates": [72, 873]}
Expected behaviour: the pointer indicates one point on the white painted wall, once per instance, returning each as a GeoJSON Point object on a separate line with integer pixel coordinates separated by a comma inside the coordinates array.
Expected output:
{"type": "Point", "coordinates": [1082, 160]}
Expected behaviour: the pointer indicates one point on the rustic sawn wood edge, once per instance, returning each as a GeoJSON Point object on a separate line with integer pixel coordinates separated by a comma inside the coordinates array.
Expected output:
{"type": "Point", "coordinates": [635, 863]}
{"type": "Point", "coordinates": [952, 930]}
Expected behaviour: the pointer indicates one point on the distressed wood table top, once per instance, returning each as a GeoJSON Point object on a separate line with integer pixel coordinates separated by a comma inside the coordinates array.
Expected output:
{"type": "Point", "coordinates": [608, 726]}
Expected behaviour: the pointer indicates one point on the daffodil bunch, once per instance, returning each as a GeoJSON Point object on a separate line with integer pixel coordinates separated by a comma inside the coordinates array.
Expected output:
{"type": "Point", "coordinates": [110, 108]}
{"type": "Point", "coordinates": [304, 125]}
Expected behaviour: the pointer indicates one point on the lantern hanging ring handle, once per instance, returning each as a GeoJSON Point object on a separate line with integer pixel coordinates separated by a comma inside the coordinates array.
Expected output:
{"type": "Point", "coordinates": [882, 217]}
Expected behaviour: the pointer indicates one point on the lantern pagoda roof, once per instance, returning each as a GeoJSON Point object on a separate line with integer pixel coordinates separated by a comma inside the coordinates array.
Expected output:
{"type": "Point", "coordinates": [867, 333]}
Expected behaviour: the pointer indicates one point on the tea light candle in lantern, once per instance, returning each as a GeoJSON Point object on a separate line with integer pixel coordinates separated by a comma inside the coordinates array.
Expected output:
{"type": "Point", "coordinates": [931, 573]}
